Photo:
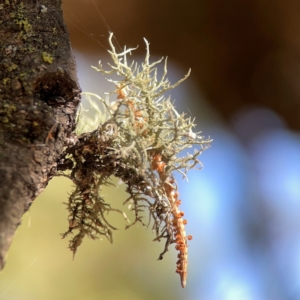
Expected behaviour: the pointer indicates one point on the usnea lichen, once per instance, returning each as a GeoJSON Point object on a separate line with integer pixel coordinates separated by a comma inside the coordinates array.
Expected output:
{"type": "Point", "coordinates": [137, 138]}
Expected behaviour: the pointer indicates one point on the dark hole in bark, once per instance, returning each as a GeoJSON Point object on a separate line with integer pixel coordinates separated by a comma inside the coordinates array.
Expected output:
{"type": "Point", "coordinates": [55, 88]}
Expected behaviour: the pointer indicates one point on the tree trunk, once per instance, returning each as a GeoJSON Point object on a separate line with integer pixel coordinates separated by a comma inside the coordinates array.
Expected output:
{"type": "Point", "coordinates": [38, 101]}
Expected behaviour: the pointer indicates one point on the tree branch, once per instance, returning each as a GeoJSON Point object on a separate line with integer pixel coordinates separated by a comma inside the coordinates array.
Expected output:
{"type": "Point", "coordinates": [39, 94]}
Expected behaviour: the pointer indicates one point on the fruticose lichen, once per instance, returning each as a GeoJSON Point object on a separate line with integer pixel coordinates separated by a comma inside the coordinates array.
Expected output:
{"type": "Point", "coordinates": [137, 138]}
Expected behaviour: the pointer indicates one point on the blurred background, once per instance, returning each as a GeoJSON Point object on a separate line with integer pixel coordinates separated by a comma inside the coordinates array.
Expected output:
{"type": "Point", "coordinates": [243, 208]}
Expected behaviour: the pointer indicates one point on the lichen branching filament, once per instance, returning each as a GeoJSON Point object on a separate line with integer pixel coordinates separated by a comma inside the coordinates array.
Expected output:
{"type": "Point", "coordinates": [137, 138]}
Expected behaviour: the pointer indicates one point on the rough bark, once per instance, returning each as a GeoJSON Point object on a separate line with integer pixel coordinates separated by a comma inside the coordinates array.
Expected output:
{"type": "Point", "coordinates": [38, 100]}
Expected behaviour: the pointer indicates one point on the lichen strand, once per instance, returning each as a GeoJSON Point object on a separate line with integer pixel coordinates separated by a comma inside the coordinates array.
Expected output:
{"type": "Point", "coordinates": [138, 139]}
{"type": "Point", "coordinates": [170, 189]}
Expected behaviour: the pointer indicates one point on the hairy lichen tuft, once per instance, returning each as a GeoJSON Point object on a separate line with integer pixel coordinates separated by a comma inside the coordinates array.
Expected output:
{"type": "Point", "coordinates": [136, 138]}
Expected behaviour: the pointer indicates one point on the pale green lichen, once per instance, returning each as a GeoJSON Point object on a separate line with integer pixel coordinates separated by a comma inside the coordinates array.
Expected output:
{"type": "Point", "coordinates": [138, 137]}
{"type": "Point", "coordinates": [4, 120]}
{"type": "Point", "coordinates": [12, 67]}
{"type": "Point", "coordinates": [47, 57]}
{"type": "Point", "coordinates": [21, 20]}
{"type": "Point", "coordinates": [6, 80]}
{"type": "Point", "coordinates": [25, 25]}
